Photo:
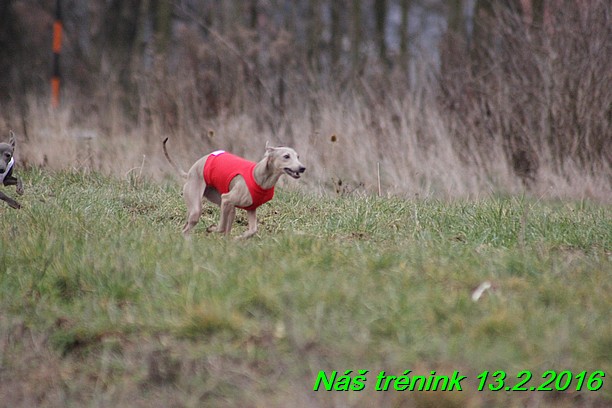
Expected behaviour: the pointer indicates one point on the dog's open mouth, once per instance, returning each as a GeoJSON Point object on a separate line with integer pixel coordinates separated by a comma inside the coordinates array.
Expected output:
{"type": "Point", "coordinates": [292, 173]}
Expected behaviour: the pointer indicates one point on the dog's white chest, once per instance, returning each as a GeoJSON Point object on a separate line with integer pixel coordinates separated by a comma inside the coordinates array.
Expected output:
{"type": "Point", "coordinates": [8, 169]}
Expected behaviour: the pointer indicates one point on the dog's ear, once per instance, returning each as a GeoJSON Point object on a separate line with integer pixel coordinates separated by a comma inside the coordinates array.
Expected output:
{"type": "Point", "coordinates": [12, 138]}
{"type": "Point", "coordinates": [269, 149]}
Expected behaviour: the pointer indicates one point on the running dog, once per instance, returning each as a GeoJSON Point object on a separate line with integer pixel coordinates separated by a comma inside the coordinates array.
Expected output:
{"type": "Point", "coordinates": [7, 161]}
{"type": "Point", "coordinates": [230, 181]}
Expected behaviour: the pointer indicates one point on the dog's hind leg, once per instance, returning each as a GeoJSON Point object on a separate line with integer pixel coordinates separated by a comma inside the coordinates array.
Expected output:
{"type": "Point", "coordinates": [193, 193]}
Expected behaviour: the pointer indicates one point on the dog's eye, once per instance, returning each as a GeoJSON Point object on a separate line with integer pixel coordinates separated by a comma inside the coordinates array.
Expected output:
{"type": "Point", "coordinates": [286, 156]}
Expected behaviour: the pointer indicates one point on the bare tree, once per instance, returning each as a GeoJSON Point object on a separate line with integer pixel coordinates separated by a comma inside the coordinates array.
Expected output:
{"type": "Point", "coordinates": [380, 17]}
{"type": "Point", "coordinates": [405, 6]}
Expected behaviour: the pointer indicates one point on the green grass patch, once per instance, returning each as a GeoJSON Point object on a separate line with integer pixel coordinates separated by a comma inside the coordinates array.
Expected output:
{"type": "Point", "coordinates": [96, 271]}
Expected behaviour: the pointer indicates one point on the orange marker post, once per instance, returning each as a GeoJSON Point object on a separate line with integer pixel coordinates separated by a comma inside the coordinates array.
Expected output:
{"type": "Point", "coordinates": [56, 47]}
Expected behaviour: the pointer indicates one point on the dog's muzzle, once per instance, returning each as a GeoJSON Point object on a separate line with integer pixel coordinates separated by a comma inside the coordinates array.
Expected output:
{"type": "Point", "coordinates": [295, 173]}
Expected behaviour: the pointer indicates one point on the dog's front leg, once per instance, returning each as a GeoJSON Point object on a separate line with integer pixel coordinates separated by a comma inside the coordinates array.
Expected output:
{"type": "Point", "coordinates": [14, 181]}
{"type": "Point", "coordinates": [252, 217]}
{"type": "Point", "coordinates": [228, 212]}
{"type": "Point", "coordinates": [12, 203]}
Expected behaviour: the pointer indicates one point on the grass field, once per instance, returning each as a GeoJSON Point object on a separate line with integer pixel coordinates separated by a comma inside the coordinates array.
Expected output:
{"type": "Point", "coordinates": [103, 303]}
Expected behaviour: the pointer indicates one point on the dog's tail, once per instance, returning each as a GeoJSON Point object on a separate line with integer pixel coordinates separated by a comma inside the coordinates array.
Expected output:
{"type": "Point", "coordinates": [182, 172]}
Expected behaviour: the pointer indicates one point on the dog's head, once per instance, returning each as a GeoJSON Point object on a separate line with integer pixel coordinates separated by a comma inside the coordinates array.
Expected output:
{"type": "Point", "coordinates": [6, 153]}
{"type": "Point", "coordinates": [285, 159]}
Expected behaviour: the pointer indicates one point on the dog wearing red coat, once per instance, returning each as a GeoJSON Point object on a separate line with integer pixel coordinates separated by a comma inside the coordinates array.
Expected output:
{"type": "Point", "coordinates": [232, 182]}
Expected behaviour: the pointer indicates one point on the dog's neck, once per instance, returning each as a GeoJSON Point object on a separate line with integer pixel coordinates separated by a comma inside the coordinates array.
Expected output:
{"type": "Point", "coordinates": [8, 170]}
{"type": "Point", "coordinates": [265, 174]}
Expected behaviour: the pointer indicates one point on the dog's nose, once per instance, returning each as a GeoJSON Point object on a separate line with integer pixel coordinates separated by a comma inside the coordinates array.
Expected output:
{"type": "Point", "coordinates": [302, 169]}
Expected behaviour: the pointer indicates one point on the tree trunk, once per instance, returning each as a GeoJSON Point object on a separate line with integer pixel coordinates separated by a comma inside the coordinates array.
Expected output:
{"type": "Point", "coordinates": [335, 46]}
{"type": "Point", "coordinates": [253, 15]}
{"type": "Point", "coordinates": [404, 32]}
{"type": "Point", "coordinates": [380, 15]}
{"type": "Point", "coordinates": [162, 10]}
{"type": "Point", "coordinates": [537, 9]}
{"type": "Point", "coordinates": [356, 37]}
{"type": "Point", "coordinates": [453, 45]}
{"type": "Point", "coordinates": [314, 33]}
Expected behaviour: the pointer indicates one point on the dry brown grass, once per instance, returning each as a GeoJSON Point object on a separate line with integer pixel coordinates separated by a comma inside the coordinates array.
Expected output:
{"type": "Point", "coordinates": [410, 141]}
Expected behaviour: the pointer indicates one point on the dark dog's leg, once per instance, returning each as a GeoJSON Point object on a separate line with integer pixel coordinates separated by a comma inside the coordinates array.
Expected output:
{"type": "Point", "coordinates": [9, 200]}
{"type": "Point", "coordinates": [14, 181]}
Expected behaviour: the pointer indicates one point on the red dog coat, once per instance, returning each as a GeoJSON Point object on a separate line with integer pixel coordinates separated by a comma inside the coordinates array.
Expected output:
{"type": "Point", "coordinates": [221, 167]}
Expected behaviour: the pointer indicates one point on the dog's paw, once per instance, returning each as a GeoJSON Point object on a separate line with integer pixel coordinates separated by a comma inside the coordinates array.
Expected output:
{"type": "Point", "coordinates": [19, 187]}
{"type": "Point", "coordinates": [212, 228]}
{"type": "Point", "coordinates": [246, 235]}
{"type": "Point", "coordinates": [14, 204]}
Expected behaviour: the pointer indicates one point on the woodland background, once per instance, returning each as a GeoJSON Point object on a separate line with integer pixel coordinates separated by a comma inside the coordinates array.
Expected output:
{"type": "Point", "coordinates": [439, 98]}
